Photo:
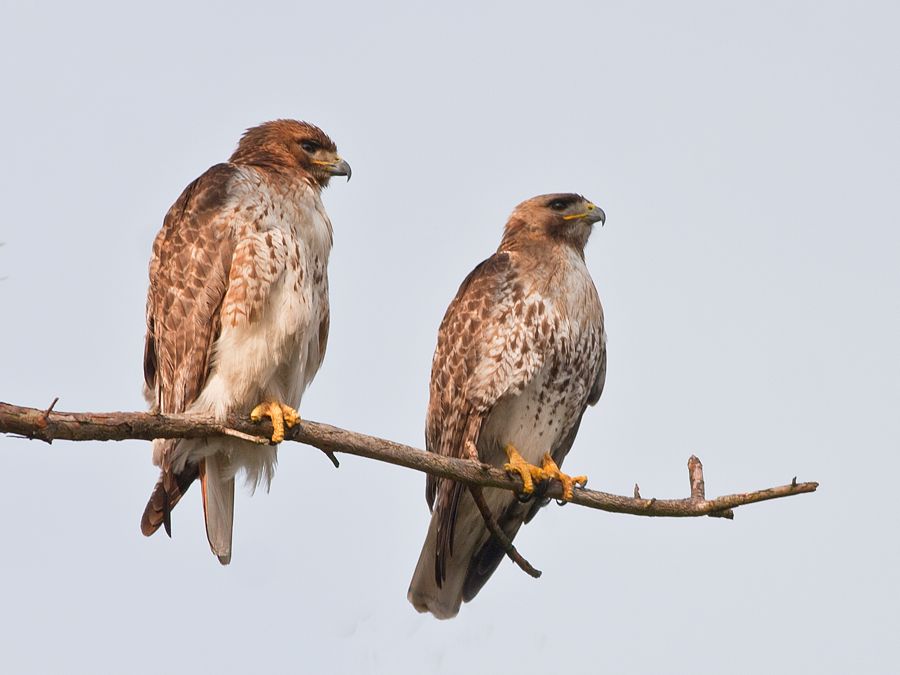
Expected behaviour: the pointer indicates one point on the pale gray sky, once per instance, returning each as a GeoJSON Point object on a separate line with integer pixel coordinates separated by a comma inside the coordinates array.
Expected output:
{"type": "Point", "coordinates": [746, 155]}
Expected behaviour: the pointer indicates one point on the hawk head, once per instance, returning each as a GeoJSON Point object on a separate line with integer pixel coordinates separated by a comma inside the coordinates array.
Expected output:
{"type": "Point", "coordinates": [564, 217]}
{"type": "Point", "coordinates": [289, 144]}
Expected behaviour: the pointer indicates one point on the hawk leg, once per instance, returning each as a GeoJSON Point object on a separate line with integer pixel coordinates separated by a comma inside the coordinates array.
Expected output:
{"type": "Point", "coordinates": [281, 415]}
{"type": "Point", "coordinates": [529, 473]}
{"type": "Point", "coordinates": [551, 470]}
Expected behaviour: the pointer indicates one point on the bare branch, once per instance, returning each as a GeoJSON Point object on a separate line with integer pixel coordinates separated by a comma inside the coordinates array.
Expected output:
{"type": "Point", "coordinates": [118, 426]}
{"type": "Point", "coordinates": [695, 472]}
{"type": "Point", "coordinates": [499, 535]}
{"type": "Point", "coordinates": [698, 487]}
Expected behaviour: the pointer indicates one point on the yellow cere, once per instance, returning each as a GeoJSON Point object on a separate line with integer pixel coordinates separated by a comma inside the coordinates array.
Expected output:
{"type": "Point", "coordinates": [590, 207]}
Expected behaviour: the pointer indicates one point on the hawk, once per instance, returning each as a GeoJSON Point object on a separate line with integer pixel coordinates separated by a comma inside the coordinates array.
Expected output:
{"type": "Point", "coordinates": [237, 312]}
{"type": "Point", "coordinates": [521, 353]}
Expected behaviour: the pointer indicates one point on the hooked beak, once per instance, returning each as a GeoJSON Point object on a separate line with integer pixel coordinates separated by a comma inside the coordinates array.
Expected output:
{"type": "Point", "coordinates": [592, 214]}
{"type": "Point", "coordinates": [595, 215]}
{"type": "Point", "coordinates": [340, 168]}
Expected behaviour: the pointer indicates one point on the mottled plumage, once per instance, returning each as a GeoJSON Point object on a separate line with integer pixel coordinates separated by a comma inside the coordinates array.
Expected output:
{"type": "Point", "coordinates": [237, 310]}
{"type": "Point", "coordinates": [521, 353]}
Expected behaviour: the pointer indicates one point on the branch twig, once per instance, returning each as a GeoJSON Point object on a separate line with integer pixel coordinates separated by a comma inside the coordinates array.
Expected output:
{"type": "Point", "coordinates": [117, 426]}
{"type": "Point", "coordinates": [499, 535]}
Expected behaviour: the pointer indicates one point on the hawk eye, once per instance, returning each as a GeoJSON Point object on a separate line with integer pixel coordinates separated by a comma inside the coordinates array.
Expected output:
{"type": "Point", "coordinates": [558, 204]}
{"type": "Point", "coordinates": [309, 146]}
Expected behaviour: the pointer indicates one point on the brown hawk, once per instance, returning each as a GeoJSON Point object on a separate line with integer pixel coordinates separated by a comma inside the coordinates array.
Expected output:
{"type": "Point", "coordinates": [237, 312]}
{"type": "Point", "coordinates": [521, 353]}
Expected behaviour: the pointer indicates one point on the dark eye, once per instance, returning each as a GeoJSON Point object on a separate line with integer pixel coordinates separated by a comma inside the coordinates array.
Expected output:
{"type": "Point", "coordinates": [558, 205]}
{"type": "Point", "coordinates": [309, 146]}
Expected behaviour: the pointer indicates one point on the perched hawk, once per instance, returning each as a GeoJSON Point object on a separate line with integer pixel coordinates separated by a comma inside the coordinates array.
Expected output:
{"type": "Point", "coordinates": [521, 353]}
{"type": "Point", "coordinates": [237, 311]}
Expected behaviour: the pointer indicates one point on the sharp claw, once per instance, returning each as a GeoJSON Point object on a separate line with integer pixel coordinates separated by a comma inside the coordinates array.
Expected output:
{"type": "Point", "coordinates": [523, 474]}
{"type": "Point", "coordinates": [529, 473]}
{"type": "Point", "coordinates": [291, 416]}
{"type": "Point", "coordinates": [551, 470]}
{"type": "Point", "coordinates": [280, 414]}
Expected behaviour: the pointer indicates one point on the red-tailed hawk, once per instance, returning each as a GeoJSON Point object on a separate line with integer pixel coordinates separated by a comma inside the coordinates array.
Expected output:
{"type": "Point", "coordinates": [521, 353]}
{"type": "Point", "coordinates": [237, 311]}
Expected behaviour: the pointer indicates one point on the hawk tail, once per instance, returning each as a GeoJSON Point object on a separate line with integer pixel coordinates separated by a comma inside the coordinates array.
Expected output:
{"type": "Point", "coordinates": [166, 494]}
{"type": "Point", "coordinates": [218, 505]}
{"type": "Point", "coordinates": [474, 555]}
{"type": "Point", "coordinates": [427, 591]}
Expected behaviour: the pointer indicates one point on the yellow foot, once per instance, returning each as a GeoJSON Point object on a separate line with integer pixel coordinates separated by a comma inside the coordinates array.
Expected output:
{"type": "Point", "coordinates": [527, 472]}
{"type": "Point", "coordinates": [551, 470]}
{"type": "Point", "coordinates": [281, 415]}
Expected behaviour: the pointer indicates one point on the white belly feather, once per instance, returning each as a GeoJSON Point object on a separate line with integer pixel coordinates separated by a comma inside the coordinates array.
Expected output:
{"type": "Point", "coordinates": [533, 422]}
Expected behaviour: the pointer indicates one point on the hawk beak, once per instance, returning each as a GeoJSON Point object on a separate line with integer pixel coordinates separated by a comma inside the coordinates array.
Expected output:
{"type": "Point", "coordinates": [595, 215]}
{"type": "Point", "coordinates": [592, 214]}
{"type": "Point", "coordinates": [340, 168]}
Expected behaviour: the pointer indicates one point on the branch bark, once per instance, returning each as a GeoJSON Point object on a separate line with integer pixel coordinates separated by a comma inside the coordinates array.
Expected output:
{"type": "Point", "coordinates": [47, 425]}
{"type": "Point", "coordinates": [499, 535]}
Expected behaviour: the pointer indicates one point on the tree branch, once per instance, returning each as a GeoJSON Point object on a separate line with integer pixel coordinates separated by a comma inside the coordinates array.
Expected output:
{"type": "Point", "coordinates": [498, 533]}
{"type": "Point", "coordinates": [47, 426]}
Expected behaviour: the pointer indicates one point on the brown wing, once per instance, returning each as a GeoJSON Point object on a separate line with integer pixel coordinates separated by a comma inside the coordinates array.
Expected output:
{"type": "Point", "coordinates": [491, 343]}
{"type": "Point", "coordinates": [189, 272]}
{"type": "Point", "coordinates": [188, 277]}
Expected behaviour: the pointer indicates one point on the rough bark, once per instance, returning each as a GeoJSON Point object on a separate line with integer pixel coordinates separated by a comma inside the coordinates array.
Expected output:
{"type": "Point", "coordinates": [47, 425]}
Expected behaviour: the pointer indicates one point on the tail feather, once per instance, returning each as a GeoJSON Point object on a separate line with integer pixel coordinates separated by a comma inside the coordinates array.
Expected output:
{"type": "Point", "coordinates": [426, 593]}
{"type": "Point", "coordinates": [166, 494]}
{"type": "Point", "coordinates": [475, 555]}
{"type": "Point", "coordinates": [218, 505]}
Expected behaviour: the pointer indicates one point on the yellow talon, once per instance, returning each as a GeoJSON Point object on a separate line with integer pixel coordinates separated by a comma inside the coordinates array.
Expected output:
{"type": "Point", "coordinates": [527, 472]}
{"type": "Point", "coordinates": [551, 470]}
{"type": "Point", "coordinates": [281, 415]}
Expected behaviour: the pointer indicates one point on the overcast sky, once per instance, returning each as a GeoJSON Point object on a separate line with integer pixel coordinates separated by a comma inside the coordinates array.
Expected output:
{"type": "Point", "coordinates": [746, 155]}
